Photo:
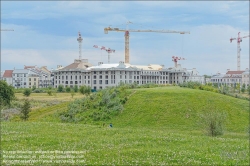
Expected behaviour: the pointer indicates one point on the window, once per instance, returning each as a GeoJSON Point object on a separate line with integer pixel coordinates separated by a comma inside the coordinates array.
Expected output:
{"type": "Point", "coordinates": [100, 81]}
{"type": "Point", "coordinates": [76, 77]}
{"type": "Point", "coordinates": [107, 77]}
{"type": "Point", "coordinates": [94, 72]}
{"type": "Point", "coordinates": [106, 72]}
{"type": "Point", "coordinates": [106, 82]}
{"type": "Point", "coordinates": [100, 77]}
{"type": "Point", "coordinates": [100, 72]}
{"type": "Point", "coordinates": [94, 77]}
{"type": "Point", "coordinates": [94, 81]}
{"type": "Point", "coordinates": [100, 87]}
{"type": "Point", "coordinates": [75, 82]}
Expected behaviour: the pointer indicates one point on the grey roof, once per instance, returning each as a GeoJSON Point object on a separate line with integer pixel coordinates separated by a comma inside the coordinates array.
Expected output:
{"type": "Point", "coordinates": [20, 71]}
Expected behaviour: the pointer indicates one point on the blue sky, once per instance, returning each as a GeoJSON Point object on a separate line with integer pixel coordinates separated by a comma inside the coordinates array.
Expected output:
{"type": "Point", "coordinates": [45, 33]}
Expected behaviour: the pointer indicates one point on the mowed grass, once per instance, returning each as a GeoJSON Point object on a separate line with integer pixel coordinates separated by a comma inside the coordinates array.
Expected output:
{"type": "Point", "coordinates": [159, 126]}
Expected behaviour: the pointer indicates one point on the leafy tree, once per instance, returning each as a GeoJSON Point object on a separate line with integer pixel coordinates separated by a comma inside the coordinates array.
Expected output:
{"type": "Point", "coordinates": [68, 89]}
{"type": "Point", "coordinates": [85, 90]}
{"type": "Point", "coordinates": [75, 88]}
{"type": "Point", "coordinates": [27, 92]}
{"type": "Point", "coordinates": [6, 93]}
{"type": "Point", "coordinates": [243, 88]}
{"type": "Point", "coordinates": [60, 88]}
{"type": "Point", "coordinates": [238, 87]}
{"type": "Point", "coordinates": [25, 110]}
{"type": "Point", "coordinates": [33, 87]}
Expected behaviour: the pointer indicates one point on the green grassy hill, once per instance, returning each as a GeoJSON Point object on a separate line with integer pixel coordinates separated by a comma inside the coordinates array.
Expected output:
{"type": "Point", "coordinates": [180, 108]}
{"type": "Point", "coordinates": [159, 126]}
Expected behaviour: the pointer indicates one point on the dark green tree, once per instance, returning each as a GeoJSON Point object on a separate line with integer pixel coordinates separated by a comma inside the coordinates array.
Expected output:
{"type": "Point", "coordinates": [68, 89]}
{"type": "Point", "coordinates": [75, 88]}
{"type": "Point", "coordinates": [27, 92]}
{"type": "Point", "coordinates": [25, 110]}
{"type": "Point", "coordinates": [6, 93]}
{"type": "Point", "coordinates": [243, 88]}
{"type": "Point", "coordinates": [60, 88]}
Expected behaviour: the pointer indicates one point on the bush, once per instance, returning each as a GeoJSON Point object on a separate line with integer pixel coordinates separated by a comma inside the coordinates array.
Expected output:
{"type": "Point", "coordinates": [75, 88]}
{"type": "Point", "coordinates": [38, 91]}
{"type": "Point", "coordinates": [85, 89]}
{"type": "Point", "coordinates": [60, 88]}
{"type": "Point", "coordinates": [27, 92]}
{"type": "Point", "coordinates": [25, 110]}
{"type": "Point", "coordinates": [68, 89]}
{"type": "Point", "coordinates": [213, 122]}
{"type": "Point", "coordinates": [49, 92]}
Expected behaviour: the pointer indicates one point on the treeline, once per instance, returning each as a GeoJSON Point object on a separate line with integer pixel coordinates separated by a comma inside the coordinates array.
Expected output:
{"type": "Point", "coordinates": [223, 89]}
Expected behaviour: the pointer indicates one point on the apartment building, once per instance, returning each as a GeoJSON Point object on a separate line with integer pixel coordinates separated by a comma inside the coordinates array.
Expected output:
{"type": "Point", "coordinates": [24, 78]}
{"type": "Point", "coordinates": [245, 77]}
{"type": "Point", "coordinates": [7, 76]}
{"type": "Point", "coordinates": [106, 75]}
{"type": "Point", "coordinates": [193, 75]}
{"type": "Point", "coordinates": [230, 78]}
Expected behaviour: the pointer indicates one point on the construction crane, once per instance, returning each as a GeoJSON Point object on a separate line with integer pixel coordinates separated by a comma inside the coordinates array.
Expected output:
{"type": "Point", "coordinates": [133, 30]}
{"type": "Point", "coordinates": [7, 29]}
{"type": "Point", "coordinates": [175, 59]}
{"type": "Point", "coordinates": [108, 50]}
{"type": "Point", "coordinates": [239, 39]}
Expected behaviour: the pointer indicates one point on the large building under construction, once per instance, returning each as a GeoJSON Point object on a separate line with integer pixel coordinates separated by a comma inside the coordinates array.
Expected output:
{"type": "Point", "coordinates": [81, 72]}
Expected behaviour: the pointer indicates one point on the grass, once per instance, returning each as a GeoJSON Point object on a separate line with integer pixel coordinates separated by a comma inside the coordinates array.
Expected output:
{"type": "Point", "coordinates": [126, 146]}
{"type": "Point", "coordinates": [46, 97]}
{"type": "Point", "coordinates": [159, 126]}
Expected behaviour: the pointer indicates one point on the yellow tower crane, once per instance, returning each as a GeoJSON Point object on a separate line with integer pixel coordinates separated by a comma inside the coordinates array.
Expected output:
{"type": "Point", "coordinates": [133, 30]}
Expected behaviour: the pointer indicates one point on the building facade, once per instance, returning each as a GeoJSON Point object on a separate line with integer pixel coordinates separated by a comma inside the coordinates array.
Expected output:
{"type": "Point", "coordinates": [107, 75]}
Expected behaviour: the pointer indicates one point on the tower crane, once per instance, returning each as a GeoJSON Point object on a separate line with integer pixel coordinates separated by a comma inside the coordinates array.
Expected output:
{"type": "Point", "coordinates": [108, 50]}
{"type": "Point", "coordinates": [239, 39]}
{"type": "Point", "coordinates": [134, 30]}
{"type": "Point", "coordinates": [7, 29]}
{"type": "Point", "coordinates": [175, 59]}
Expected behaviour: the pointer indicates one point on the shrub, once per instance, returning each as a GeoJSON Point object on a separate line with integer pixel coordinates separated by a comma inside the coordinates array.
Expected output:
{"type": "Point", "coordinates": [60, 88]}
{"type": "Point", "coordinates": [75, 88]}
{"type": "Point", "coordinates": [25, 110]}
{"type": "Point", "coordinates": [213, 122]}
{"type": "Point", "coordinates": [27, 92]}
{"type": "Point", "coordinates": [49, 92]}
{"type": "Point", "coordinates": [85, 89]}
{"type": "Point", "coordinates": [68, 89]}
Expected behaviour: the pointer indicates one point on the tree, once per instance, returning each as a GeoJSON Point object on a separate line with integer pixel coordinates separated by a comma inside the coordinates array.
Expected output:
{"type": "Point", "coordinates": [243, 88]}
{"type": "Point", "coordinates": [60, 88]}
{"type": "Point", "coordinates": [27, 92]}
{"type": "Point", "coordinates": [68, 89]}
{"type": "Point", "coordinates": [33, 87]}
{"type": "Point", "coordinates": [6, 93]}
{"type": "Point", "coordinates": [25, 110]}
{"type": "Point", "coordinates": [75, 88]}
{"type": "Point", "coordinates": [85, 90]}
{"type": "Point", "coordinates": [248, 89]}
{"type": "Point", "coordinates": [238, 87]}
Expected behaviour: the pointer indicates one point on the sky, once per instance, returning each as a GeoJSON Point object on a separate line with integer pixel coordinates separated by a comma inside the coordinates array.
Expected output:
{"type": "Point", "coordinates": [45, 33]}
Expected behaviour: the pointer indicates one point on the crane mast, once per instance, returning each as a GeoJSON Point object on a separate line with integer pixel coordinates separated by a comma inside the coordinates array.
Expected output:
{"type": "Point", "coordinates": [176, 59]}
{"type": "Point", "coordinates": [127, 31]}
{"type": "Point", "coordinates": [108, 50]}
{"type": "Point", "coordinates": [239, 39]}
